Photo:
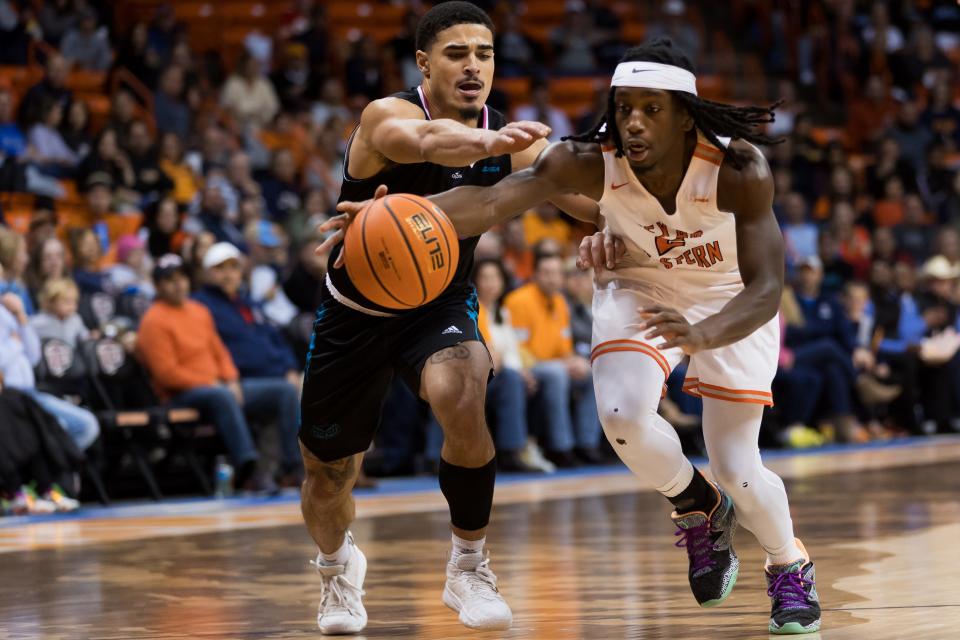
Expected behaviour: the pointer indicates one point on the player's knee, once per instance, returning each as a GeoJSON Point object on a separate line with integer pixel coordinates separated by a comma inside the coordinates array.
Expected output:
{"type": "Point", "coordinates": [459, 398]}
{"type": "Point", "coordinates": [620, 417]}
{"type": "Point", "coordinates": [324, 481]}
{"type": "Point", "coordinates": [734, 478]}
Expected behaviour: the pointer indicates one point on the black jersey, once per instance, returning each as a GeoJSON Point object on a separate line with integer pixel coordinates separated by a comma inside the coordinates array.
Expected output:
{"type": "Point", "coordinates": [423, 179]}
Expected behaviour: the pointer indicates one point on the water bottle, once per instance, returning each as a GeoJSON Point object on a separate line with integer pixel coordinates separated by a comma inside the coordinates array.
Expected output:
{"type": "Point", "coordinates": [223, 476]}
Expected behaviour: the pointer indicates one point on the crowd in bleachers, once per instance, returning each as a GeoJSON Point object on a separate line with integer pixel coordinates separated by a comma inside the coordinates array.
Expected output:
{"type": "Point", "coordinates": [164, 166]}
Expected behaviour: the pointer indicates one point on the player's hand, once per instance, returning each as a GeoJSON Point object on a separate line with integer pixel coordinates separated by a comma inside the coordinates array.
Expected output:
{"type": "Point", "coordinates": [514, 137]}
{"type": "Point", "coordinates": [338, 224]}
{"type": "Point", "coordinates": [601, 250]}
{"type": "Point", "coordinates": [672, 326]}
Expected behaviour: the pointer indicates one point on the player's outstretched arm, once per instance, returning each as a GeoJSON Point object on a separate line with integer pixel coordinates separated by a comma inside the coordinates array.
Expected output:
{"type": "Point", "coordinates": [396, 130]}
{"type": "Point", "coordinates": [562, 168]}
{"type": "Point", "coordinates": [748, 193]}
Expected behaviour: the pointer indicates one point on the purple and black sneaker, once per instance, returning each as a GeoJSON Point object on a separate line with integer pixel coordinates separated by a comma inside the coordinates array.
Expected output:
{"type": "Point", "coordinates": [795, 605]}
{"type": "Point", "coordinates": [713, 563]}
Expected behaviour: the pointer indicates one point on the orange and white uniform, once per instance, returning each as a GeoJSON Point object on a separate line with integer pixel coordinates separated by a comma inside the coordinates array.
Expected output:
{"type": "Point", "coordinates": [686, 261]}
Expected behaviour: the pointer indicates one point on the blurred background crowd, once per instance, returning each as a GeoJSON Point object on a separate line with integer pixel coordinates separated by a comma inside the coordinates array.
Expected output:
{"type": "Point", "coordinates": [164, 166]}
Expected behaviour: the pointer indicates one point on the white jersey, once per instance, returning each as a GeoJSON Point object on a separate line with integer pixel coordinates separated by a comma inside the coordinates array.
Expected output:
{"type": "Point", "coordinates": [686, 261]}
{"type": "Point", "coordinates": [697, 241]}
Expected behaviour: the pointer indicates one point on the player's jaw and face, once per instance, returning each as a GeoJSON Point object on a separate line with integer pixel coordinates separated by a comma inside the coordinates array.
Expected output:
{"type": "Point", "coordinates": [652, 125]}
{"type": "Point", "coordinates": [458, 70]}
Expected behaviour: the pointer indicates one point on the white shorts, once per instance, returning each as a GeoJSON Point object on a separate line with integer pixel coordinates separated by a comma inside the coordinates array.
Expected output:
{"type": "Point", "coordinates": [738, 372]}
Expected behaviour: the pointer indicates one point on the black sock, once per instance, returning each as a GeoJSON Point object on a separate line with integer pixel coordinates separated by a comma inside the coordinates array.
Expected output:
{"type": "Point", "coordinates": [699, 495]}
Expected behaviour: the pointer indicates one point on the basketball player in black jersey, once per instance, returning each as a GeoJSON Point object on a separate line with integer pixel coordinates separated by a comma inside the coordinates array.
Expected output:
{"type": "Point", "coordinates": [435, 137]}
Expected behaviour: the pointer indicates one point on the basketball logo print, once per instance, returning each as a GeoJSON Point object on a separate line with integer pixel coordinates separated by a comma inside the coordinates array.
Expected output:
{"type": "Point", "coordinates": [425, 231]}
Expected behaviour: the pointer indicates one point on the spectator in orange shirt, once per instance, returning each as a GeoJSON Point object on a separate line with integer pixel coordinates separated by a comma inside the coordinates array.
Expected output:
{"type": "Point", "coordinates": [516, 252]}
{"type": "Point", "coordinates": [888, 212]}
{"type": "Point", "coordinates": [867, 118]}
{"type": "Point", "coordinates": [540, 313]}
{"type": "Point", "coordinates": [544, 222]}
{"type": "Point", "coordinates": [191, 367]}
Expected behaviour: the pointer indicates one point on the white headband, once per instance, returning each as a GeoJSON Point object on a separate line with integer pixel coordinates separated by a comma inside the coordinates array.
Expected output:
{"type": "Point", "coordinates": [654, 75]}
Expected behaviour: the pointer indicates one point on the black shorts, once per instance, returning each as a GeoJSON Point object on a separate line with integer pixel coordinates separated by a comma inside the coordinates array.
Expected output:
{"type": "Point", "coordinates": [353, 357]}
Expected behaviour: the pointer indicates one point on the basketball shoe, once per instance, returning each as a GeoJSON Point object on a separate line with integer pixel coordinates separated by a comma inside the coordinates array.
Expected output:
{"type": "Point", "coordinates": [714, 565]}
{"type": "Point", "coordinates": [794, 603]}
{"type": "Point", "coordinates": [341, 610]}
{"type": "Point", "coordinates": [471, 591]}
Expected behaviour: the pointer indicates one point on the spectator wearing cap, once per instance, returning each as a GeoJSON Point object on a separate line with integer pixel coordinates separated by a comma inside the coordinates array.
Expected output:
{"type": "Point", "coordinates": [87, 44]}
{"type": "Point", "coordinates": [938, 351]}
{"type": "Point", "coordinates": [190, 367]}
{"type": "Point", "coordinates": [19, 354]}
{"type": "Point", "coordinates": [541, 316]}
{"type": "Point", "coordinates": [269, 372]}
{"type": "Point", "coordinates": [268, 255]}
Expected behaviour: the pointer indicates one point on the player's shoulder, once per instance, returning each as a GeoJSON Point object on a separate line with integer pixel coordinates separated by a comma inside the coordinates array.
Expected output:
{"type": "Point", "coordinates": [748, 168]}
{"type": "Point", "coordinates": [745, 182]}
{"type": "Point", "coordinates": [390, 107]}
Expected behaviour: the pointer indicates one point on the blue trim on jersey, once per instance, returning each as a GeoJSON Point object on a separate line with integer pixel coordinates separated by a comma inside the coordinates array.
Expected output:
{"type": "Point", "coordinates": [473, 311]}
{"type": "Point", "coordinates": [321, 312]}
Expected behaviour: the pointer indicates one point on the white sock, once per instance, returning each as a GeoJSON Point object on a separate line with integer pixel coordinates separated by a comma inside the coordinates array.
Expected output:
{"type": "Point", "coordinates": [338, 557]}
{"type": "Point", "coordinates": [461, 546]}
{"type": "Point", "coordinates": [679, 482]}
{"type": "Point", "coordinates": [787, 554]}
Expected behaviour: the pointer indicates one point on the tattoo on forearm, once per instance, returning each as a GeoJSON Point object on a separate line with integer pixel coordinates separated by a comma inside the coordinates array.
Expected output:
{"type": "Point", "coordinates": [456, 352]}
{"type": "Point", "coordinates": [340, 472]}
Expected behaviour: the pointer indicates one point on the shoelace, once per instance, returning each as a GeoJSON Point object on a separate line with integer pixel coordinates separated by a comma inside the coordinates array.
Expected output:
{"type": "Point", "coordinates": [334, 590]}
{"type": "Point", "coordinates": [699, 544]}
{"type": "Point", "coordinates": [482, 581]}
{"type": "Point", "coordinates": [789, 590]}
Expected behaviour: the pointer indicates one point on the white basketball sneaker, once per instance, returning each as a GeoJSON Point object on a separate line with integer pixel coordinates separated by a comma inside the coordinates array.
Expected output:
{"type": "Point", "coordinates": [471, 590]}
{"type": "Point", "coordinates": [341, 610]}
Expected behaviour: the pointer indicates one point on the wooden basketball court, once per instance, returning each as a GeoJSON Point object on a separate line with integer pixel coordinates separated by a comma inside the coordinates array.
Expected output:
{"type": "Point", "coordinates": [584, 555]}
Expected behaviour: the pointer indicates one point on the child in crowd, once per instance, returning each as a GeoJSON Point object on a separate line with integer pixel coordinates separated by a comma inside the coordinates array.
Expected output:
{"type": "Point", "coordinates": [58, 317]}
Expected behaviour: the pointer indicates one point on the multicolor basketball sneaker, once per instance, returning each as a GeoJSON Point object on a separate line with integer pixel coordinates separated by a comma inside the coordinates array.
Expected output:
{"type": "Point", "coordinates": [795, 605]}
{"type": "Point", "coordinates": [708, 537]}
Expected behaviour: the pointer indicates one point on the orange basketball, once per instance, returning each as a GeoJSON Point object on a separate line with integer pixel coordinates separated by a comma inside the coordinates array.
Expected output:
{"type": "Point", "coordinates": [401, 251]}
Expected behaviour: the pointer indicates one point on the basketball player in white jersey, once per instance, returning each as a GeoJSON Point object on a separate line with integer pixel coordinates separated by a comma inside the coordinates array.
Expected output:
{"type": "Point", "coordinates": [702, 277]}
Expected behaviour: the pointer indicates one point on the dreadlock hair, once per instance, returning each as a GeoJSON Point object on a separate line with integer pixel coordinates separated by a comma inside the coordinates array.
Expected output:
{"type": "Point", "coordinates": [714, 119]}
